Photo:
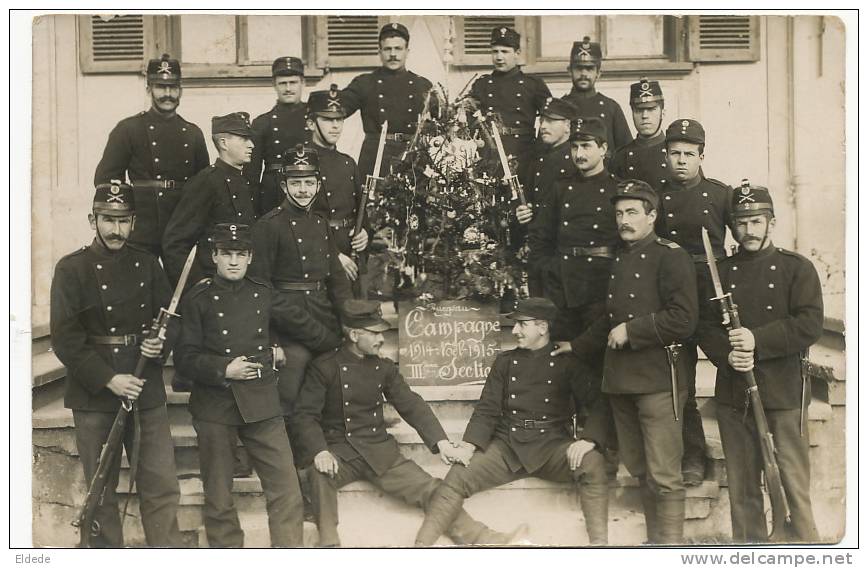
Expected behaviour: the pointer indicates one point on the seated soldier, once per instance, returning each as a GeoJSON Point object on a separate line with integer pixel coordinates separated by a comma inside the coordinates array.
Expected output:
{"type": "Point", "coordinates": [226, 348]}
{"type": "Point", "coordinates": [338, 425]}
{"type": "Point", "coordinates": [521, 425]}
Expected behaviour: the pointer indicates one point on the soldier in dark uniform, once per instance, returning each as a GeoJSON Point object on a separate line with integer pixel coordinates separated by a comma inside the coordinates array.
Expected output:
{"type": "Point", "coordinates": [651, 304]}
{"type": "Point", "coordinates": [217, 194]}
{"type": "Point", "coordinates": [296, 253]}
{"type": "Point", "coordinates": [586, 60]}
{"type": "Point", "coordinates": [780, 303]}
{"type": "Point", "coordinates": [337, 432]}
{"type": "Point", "coordinates": [103, 299]}
{"type": "Point", "coordinates": [521, 427]}
{"type": "Point", "coordinates": [645, 157]}
{"type": "Point", "coordinates": [281, 127]}
{"type": "Point", "coordinates": [689, 202]}
{"type": "Point", "coordinates": [341, 193]}
{"type": "Point", "coordinates": [517, 98]}
{"type": "Point", "coordinates": [573, 236]}
{"type": "Point", "coordinates": [157, 151]}
{"type": "Point", "coordinates": [226, 348]}
{"type": "Point", "coordinates": [390, 93]}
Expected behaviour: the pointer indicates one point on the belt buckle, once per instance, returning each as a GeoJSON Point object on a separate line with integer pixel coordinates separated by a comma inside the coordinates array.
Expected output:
{"type": "Point", "coordinates": [130, 339]}
{"type": "Point", "coordinates": [169, 184]}
{"type": "Point", "coordinates": [529, 424]}
{"type": "Point", "coordinates": [399, 136]}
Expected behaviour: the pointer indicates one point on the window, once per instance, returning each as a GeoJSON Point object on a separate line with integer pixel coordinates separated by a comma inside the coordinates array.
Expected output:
{"type": "Point", "coordinates": [348, 41]}
{"type": "Point", "coordinates": [473, 37]}
{"type": "Point", "coordinates": [119, 43]}
{"type": "Point", "coordinates": [724, 38]}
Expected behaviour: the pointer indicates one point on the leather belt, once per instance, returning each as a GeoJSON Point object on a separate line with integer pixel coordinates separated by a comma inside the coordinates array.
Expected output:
{"type": "Point", "coordinates": [273, 167]}
{"type": "Point", "coordinates": [157, 184]}
{"type": "Point", "coordinates": [697, 258]}
{"type": "Point", "coordinates": [129, 339]}
{"type": "Point", "coordinates": [602, 252]}
{"type": "Point", "coordinates": [300, 286]}
{"type": "Point", "coordinates": [518, 131]}
{"type": "Point", "coordinates": [536, 424]}
{"type": "Point", "coordinates": [392, 136]}
{"type": "Point", "coordinates": [341, 223]}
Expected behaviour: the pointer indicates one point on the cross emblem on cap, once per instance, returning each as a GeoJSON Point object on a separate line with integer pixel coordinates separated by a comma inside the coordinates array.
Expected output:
{"type": "Point", "coordinates": [164, 67]}
{"type": "Point", "coordinates": [628, 187]}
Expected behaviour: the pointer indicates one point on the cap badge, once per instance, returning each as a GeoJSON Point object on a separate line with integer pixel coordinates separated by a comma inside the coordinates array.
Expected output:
{"type": "Point", "coordinates": [579, 122]}
{"type": "Point", "coordinates": [164, 67]}
{"type": "Point", "coordinates": [115, 189]}
{"type": "Point", "coordinates": [685, 123]}
{"type": "Point", "coordinates": [503, 31]}
{"type": "Point", "coordinates": [394, 26]}
{"type": "Point", "coordinates": [645, 86]}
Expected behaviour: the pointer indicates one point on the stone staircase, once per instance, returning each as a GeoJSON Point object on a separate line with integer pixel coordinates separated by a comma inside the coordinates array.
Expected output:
{"type": "Point", "coordinates": [551, 509]}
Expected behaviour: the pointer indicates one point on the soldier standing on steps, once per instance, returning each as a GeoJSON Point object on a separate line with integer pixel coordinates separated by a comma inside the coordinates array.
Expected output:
{"type": "Point", "coordinates": [521, 427]}
{"type": "Point", "coordinates": [227, 349]}
{"type": "Point", "coordinates": [689, 202]}
{"type": "Point", "coordinates": [780, 303]}
{"type": "Point", "coordinates": [103, 299]}
{"type": "Point", "coordinates": [586, 61]}
{"type": "Point", "coordinates": [336, 430]}
{"type": "Point", "coordinates": [651, 308]}
{"type": "Point", "coordinates": [644, 158]}
{"type": "Point", "coordinates": [157, 151]}
{"type": "Point", "coordinates": [276, 130]}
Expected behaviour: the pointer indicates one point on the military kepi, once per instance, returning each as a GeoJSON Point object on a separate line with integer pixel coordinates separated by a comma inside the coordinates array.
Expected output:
{"type": "Point", "coordinates": [235, 123]}
{"type": "Point", "coordinates": [284, 66]}
{"type": "Point", "coordinates": [750, 199]}
{"type": "Point", "coordinates": [687, 130]}
{"type": "Point", "coordinates": [645, 93]}
{"type": "Point", "coordinates": [300, 161]}
{"type": "Point", "coordinates": [636, 189]}
{"type": "Point", "coordinates": [586, 52]}
{"type": "Point", "coordinates": [534, 309]}
{"type": "Point", "coordinates": [232, 236]}
{"type": "Point", "coordinates": [587, 128]}
{"type": "Point", "coordinates": [363, 314]}
{"type": "Point", "coordinates": [559, 109]}
{"type": "Point", "coordinates": [506, 37]}
{"type": "Point", "coordinates": [326, 104]}
{"type": "Point", "coordinates": [394, 30]}
{"type": "Point", "coordinates": [164, 71]}
{"type": "Point", "coordinates": [114, 198]}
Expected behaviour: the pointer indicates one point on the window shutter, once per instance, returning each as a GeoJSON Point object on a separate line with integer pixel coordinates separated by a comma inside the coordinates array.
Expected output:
{"type": "Point", "coordinates": [724, 38]}
{"type": "Point", "coordinates": [348, 41]}
{"type": "Point", "coordinates": [473, 37]}
{"type": "Point", "coordinates": [114, 44]}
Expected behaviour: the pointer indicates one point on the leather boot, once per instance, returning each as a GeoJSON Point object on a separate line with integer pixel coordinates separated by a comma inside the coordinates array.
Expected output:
{"type": "Point", "coordinates": [518, 535]}
{"type": "Point", "coordinates": [649, 504]}
{"type": "Point", "coordinates": [670, 516]}
{"type": "Point", "coordinates": [443, 508]}
{"type": "Point", "coordinates": [595, 507]}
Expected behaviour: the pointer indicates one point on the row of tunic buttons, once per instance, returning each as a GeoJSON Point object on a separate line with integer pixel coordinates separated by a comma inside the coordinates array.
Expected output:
{"type": "Point", "coordinates": [771, 284]}
{"type": "Point", "coordinates": [346, 403]}
{"type": "Point", "coordinates": [157, 160]}
{"type": "Point", "coordinates": [548, 381]}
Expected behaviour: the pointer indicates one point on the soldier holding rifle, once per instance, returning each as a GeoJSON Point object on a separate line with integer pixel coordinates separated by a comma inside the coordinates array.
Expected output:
{"type": "Point", "coordinates": [780, 304]}
{"type": "Point", "coordinates": [103, 299]}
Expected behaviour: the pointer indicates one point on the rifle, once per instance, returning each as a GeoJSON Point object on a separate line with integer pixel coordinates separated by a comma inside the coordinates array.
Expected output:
{"type": "Point", "coordinates": [511, 180]}
{"type": "Point", "coordinates": [778, 497]}
{"type": "Point", "coordinates": [87, 525]}
{"type": "Point", "coordinates": [370, 184]}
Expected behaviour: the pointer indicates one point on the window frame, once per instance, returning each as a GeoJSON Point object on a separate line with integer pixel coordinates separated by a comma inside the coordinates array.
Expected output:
{"type": "Point", "coordinates": [155, 41]}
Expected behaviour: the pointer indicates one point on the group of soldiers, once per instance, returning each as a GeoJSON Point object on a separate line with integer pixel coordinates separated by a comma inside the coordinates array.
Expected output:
{"type": "Point", "coordinates": [281, 349]}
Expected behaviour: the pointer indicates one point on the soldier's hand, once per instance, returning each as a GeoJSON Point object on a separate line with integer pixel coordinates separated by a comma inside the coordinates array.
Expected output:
{"type": "Point", "coordinates": [350, 267]}
{"type": "Point", "coordinates": [562, 348]}
{"type": "Point", "coordinates": [279, 356]}
{"type": "Point", "coordinates": [239, 369]}
{"type": "Point", "coordinates": [152, 347]}
{"type": "Point", "coordinates": [576, 452]}
{"type": "Point", "coordinates": [523, 214]}
{"type": "Point", "coordinates": [464, 453]}
{"type": "Point", "coordinates": [448, 451]}
{"type": "Point", "coordinates": [326, 463]}
{"type": "Point", "coordinates": [126, 386]}
{"type": "Point", "coordinates": [360, 241]}
{"type": "Point", "coordinates": [741, 361]}
{"type": "Point", "coordinates": [742, 339]}
{"type": "Point", "coordinates": [618, 337]}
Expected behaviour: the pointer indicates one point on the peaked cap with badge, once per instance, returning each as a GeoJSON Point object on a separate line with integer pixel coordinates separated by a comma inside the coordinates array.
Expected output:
{"type": "Point", "coordinates": [287, 66]}
{"type": "Point", "coordinates": [164, 71]}
{"type": "Point", "coordinates": [586, 52]}
{"type": "Point", "coordinates": [300, 162]}
{"type": "Point", "coordinates": [750, 199]}
{"type": "Point", "coordinates": [237, 123]}
{"type": "Point", "coordinates": [394, 29]}
{"type": "Point", "coordinates": [232, 236]}
{"type": "Point", "coordinates": [686, 130]}
{"type": "Point", "coordinates": [115, 198]}
{"type": "Point", "coordinates": [506, 37]}
{"type": "Point", "coordinates": [326, 104]}
{"type": "Point", "coordinates": [637, 189]}
{"type": "Point", "coordinates": [645, 92]}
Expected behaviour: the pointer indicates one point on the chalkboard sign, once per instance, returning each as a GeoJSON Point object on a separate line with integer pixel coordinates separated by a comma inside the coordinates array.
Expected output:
{"type": "Point", "coordinates": [450, 342]}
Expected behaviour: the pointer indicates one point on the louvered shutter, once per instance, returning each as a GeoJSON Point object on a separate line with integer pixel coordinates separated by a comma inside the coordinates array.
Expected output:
{"type": "Point", "coordinates": [348, 41]}
{"type": "Point", "coordinates": [724, 38]}
{"type": "Point", "coordinates": [113, 44]}
{"type": "Point", "coordinates": [473, 37]}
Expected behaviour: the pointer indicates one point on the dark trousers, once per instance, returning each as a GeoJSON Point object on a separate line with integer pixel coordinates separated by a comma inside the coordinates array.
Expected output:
{"type": "Point", "coordinates": [405, 480]}
{"type": "Point", "coordinates": [270, 193]}
{"type": "Point", "coordinates": [271, 457]}
{"type": "Point", "coordinates": [692, 432]}
{"type": "Point", "coordinates": [291, 375]}
{"type": "Point", "coordinates": [650, 439]}
{"type": "Point", "coordinates": [744, 464]}
{"type": "Point", "coordinates": [156, 480]}
{"type": "Point", "coordinates": [490, 468]}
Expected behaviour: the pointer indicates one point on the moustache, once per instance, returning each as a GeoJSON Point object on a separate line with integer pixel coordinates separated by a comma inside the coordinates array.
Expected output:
{"type": "Point", "coordinates": [168, 100]}
{"type": "Point", "coordinates": [626, 229]}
